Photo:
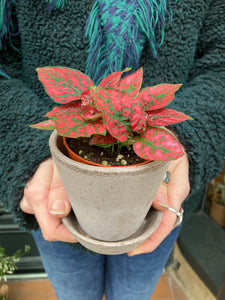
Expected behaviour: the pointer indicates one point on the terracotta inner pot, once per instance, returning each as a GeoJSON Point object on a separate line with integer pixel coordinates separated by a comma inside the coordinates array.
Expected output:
{"type": "Point", "coordinates": [80, 159]}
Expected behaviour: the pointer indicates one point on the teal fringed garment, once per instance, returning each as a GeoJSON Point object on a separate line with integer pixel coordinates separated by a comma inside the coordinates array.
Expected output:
{"type": "Point", "coordinates": [192, 53]}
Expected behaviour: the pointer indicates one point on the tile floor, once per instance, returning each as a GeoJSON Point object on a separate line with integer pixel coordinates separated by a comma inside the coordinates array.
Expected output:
{"type": "Point", "coordinates": [168, 288]}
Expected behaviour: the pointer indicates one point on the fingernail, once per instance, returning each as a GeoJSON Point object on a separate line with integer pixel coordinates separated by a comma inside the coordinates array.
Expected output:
{"type": "Point", "coordinates": [163, 204]}
{"type": "Point", "coordinates": [58, 208]}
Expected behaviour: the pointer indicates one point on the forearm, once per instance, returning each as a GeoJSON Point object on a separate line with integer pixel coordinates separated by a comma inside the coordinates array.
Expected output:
{"type": "Point", "coordinates": [203, 137]}
{"type": "Point", "coordinates": [202, 97]}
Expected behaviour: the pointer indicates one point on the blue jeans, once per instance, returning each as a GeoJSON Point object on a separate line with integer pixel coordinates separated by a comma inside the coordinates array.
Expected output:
{"type": "Point", "coordinates": [78, 275]}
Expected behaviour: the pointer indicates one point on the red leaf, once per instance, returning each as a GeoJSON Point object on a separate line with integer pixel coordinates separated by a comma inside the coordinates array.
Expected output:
{"type": "Point", "coordinates": [117, 129]}
{"type": "Point", "coordinates": [86, 98]}
{"type": "Point", "coordinates": [98, 139]}
{"type": "Point", "coordinates": [165, 116]}
{"type": "Point", "coordinates": [71, 124]}
{"type": "Point", "coordinates": [131, 84]}
{"type": "Point", "coordinates": [137, 119]}
{"type": "Point", "coordinates": [112, 80]}
{"type": "Point", "coordinates": [101, 98]}
{"type": "Point", "coordinates": [91, 114]}
{"type": "Point", "coordinates": [63, 84]}
{"type": "Point", "coordinates": [45, 125]}
{"type": "Point", "coordinates": [157, 96]}
{"type": "Point", "coordinates": [122, 109]}
{"type": "Point", "coordinates": [158, 144]}
{"type": "Point", "coordinates": [110, 101]}
{"type": "Point", "coordinates": [61, 109]}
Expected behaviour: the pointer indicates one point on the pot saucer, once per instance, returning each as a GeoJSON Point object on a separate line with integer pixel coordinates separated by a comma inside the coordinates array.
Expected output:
{"type": "Point", "coordinates": [150, 224]}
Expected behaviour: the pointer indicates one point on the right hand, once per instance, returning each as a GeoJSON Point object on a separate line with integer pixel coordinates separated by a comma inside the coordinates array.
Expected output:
{"type": "Point", "coordinates": [46, 198]}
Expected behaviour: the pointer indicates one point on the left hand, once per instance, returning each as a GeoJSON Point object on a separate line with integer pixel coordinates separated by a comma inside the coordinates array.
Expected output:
{"type": "Point", "coordinates": [172, 194]}
{"type": "Point", "coordinates": [46, 198]}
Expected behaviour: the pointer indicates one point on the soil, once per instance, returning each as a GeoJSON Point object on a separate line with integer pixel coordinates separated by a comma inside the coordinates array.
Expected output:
{"type": "Point", "coordinates": [102, 156]}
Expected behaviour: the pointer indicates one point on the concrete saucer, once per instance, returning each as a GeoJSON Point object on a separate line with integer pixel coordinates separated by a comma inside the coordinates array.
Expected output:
{"type": "Point", "coordinates": [150, 224]}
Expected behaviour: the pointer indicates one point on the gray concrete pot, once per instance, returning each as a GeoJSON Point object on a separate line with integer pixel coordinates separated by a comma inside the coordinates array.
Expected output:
{"type": "Point", "coordinates": [110, 204]}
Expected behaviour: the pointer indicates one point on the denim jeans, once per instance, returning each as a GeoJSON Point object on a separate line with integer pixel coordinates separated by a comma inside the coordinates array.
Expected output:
{"type": "Point", "coordinates": [79, 275]}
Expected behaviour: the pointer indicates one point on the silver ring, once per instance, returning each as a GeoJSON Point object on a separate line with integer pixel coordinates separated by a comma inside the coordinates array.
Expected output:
{"type": "Point", "coordinates": [167, 177]}
{"type": "Point", "coordinates": [179, 214]}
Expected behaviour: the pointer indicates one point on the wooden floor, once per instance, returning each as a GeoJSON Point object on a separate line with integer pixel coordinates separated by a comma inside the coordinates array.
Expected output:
{"type": "Point", "coordinates": [167, 289]}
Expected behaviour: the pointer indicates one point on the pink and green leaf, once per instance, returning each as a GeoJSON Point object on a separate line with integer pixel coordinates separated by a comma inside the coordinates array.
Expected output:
{"type": "Point", "coordinates": [110, 112]}
{"type": "Point", "coordinates": [63, 108]}
{"type": "Point", "coordinates": [157, 144]}
{"type": "Point", "coordinates": [71, 124]}
{"type": "Point", "coordinates": [111, 101]}
{"type": "Point", "coordinates": [45, 125]}
{"type": "Point", "coordinates": [101, 98]}
{"type": "Point", "coordinates": [131, 84]}
{"type": "Point", "coordinates": [116, 129]}
{"type": "Point", "coordinates": [122, 109]}
{"type": "Point", "coordinates": [137, 119]}
{"type": "Point", "coordinates": [86, 98]}
{"type": "Point", "coordinates": [63, 84]}
{"type": "Point", "coordinates": [112, 80]}
{"type": "Point", "coordinates": [91, 114]}
{"type": "Point", "coordinates": [157, 96]}
{"type": "Point", "coordinates": [98, 139]}
{"type": "Point", "coordinates": [165, 116]}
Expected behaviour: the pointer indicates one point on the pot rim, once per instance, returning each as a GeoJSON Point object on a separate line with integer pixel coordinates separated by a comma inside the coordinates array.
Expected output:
{"type": "Point", "coordinates": [55, 141]}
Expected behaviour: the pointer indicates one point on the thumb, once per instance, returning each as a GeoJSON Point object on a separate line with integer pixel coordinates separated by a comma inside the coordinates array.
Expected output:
{"type": "Point", "coordinates": [59, 204]}
{"type": "Point", "coordinates": [174, 192]}
{"type": "Point", "coordinates": [161, 198]}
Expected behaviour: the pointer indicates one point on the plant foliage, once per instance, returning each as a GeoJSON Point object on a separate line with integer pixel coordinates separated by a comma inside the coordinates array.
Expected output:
{"type": "Point", "coordinates": [217, 190]}
{"type": "Point", "coordinates": [8, 263]}
{"type": "Point", "coordinates": [116, 112]}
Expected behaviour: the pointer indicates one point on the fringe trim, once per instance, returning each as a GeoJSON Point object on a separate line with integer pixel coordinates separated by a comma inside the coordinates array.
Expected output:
{"type": "Point", "coordinates": [5, 19]}
{"type": "Point", "coordinates": [118, 30]}
{"type": "Point", "coordinates": [55, 4]}
{"type": "Point", "coordinates": [6, 27]}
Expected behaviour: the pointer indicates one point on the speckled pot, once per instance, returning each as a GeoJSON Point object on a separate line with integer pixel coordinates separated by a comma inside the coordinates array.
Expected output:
{"type": "Point", "coordinates": [110, 204]}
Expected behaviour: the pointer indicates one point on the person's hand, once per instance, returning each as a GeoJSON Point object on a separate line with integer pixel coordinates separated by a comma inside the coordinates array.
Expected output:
{"type": "Point", "coordinates": [46, 198]}
{"type": "Point", "coordinates": [171, 194]}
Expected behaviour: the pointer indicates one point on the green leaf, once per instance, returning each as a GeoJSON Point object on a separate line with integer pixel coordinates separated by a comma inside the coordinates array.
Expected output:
{"type": "Point", "coordinates": [63, 84]}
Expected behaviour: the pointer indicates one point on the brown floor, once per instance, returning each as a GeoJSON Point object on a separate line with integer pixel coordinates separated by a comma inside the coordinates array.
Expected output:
{"type": "Point", "coordinates": [167, 289]}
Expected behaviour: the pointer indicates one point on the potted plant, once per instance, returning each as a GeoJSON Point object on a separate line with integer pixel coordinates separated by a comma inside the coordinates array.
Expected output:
{"type": "Point", "coordinates": [217, 195]}
{"type": "Point", "coordinates": [7, 267]}
{"type": "Point", "coordinates": [110, 200]}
